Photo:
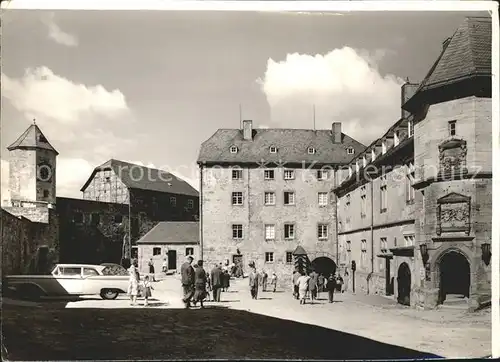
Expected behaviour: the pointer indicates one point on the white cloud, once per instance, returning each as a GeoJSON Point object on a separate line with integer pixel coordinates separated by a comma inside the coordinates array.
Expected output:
{"type": "Point", "coordinates": [4, 191]}
{"type": "Point", "coordinates": [57, 34]}
{"type": "Point", "coordinates": [71, 174]}
{"type": "Point", "coordinates": [43, 94]}
{"type": "Point", "coordinates": [343, 85]}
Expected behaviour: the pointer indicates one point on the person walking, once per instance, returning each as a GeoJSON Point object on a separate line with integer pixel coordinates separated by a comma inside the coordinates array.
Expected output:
{"type": "Point", "coordinates": [216, 280]}
{"type": "Point", "coordinates": [295, 278]}
{"type": "Point", "coordinates": [274, 281]}
{"type": "Point", "coordinates": [209, 287]}
{"type": "Point", "coordinates": [313, 285]}
{"type": "Point", "coordinates": [303, 283]}
{"type": "Point", "coordinates": [164, 266]}
{"type": "Point", "coordinates": [147, 287]}
{"type": "Point", "coordinates": [200, 283]}
{"type": "Point", "coordinates": [331, 285]}
{"type": "Point", "coordinates": [321, 284]}
{"type": "Point", "coordinates": [187, 280]}
{"type": "Point", "coordinates": [133, 282]}
{"type": "Point", "coordinates": [264, 281]}
{"type": "Point", "coordinates": [253, 282]}
{"type": "Point", "coordinates": [151, 265]}
{"type": "Point", "coordinates": [345, 285]}
{"type": "Point", "coordinates": [339, 282]}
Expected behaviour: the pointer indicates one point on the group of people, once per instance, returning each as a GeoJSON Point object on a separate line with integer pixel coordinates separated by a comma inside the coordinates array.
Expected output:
{"type": "Point", "coordinates": [136, 287]}
{"type": "Point", "coordinates": [257, 279]}
{"type": "Point", "coordinates": [308, 286]}
{"type": "Point", "coordinates": [197, 283]}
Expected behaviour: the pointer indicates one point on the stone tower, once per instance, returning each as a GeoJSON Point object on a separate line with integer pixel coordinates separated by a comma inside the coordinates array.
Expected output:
{"type": "Point", "coordinates": [32, 164]}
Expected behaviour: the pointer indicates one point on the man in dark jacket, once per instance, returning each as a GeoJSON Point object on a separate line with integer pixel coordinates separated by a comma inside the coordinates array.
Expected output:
{"type": "Point", "coordinates": [216, 279]}
{"type": "Point", "coordinates": [200, 283]}
{"type": "Point", "coordinates": [187, 280]}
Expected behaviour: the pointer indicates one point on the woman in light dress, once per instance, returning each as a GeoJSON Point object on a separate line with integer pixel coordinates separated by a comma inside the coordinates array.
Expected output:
{"type": "Point", "coordinates": [133, 282]}
{"type": "Point", "coordinates": [303, 283]}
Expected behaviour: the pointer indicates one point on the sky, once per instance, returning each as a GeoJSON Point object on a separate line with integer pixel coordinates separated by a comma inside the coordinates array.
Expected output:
{"type": "Point", "coordinates": [149, 87]}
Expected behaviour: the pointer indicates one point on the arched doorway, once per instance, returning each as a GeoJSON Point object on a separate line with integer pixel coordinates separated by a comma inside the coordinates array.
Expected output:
{"type": "Point", "coordinates": [404, 284]}
{"type": "Point", "coordinates": [324, 265]}
{"type": "Point", "coordinates": [454, 278]}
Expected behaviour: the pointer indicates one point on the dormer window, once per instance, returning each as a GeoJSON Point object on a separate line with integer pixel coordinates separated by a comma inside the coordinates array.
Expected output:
{"type": "Point", "coordinates": [364, 161]}
{"type": "Point", "coordinates": [384, 147]}
{"type": "Point", "coordinates": [233, 149]}
{"type": "Point", "coordinates": [374, 156]}
{"type": "Point", "coordinates": [350, 151]}
{"type": "Point", "coordinates": [311, 150]}
{"type": "Point", "coordinates": [396, 138]}
{"type": "Point", "coordinates": [410, 128]}
{"type": "Point", "coordinates": [273, 149]}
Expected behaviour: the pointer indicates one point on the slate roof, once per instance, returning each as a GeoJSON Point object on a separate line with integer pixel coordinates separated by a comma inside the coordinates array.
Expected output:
{"type": "Point", "coordinates": [144, 178]}
{"type": "Point", "coordinates": [292, 145]}
{"type": "Point", "coordinates": [173, 232]}
{"type": "Point", "coordinates": [466, 55]}
{"type": "Point", "coordinates": [32, 138]}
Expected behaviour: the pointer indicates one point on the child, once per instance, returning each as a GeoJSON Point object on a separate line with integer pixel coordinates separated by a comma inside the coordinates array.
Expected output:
{"type": "Point", "coordinates": [147, 289]}
{"type": "Point", "coordinates": [274, 281]}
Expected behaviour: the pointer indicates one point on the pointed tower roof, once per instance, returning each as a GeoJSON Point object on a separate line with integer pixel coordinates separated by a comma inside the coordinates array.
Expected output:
{"type": "Point", "coordinates": [32, 138]}
{"type": "Point", "coordinates": [465, 56]}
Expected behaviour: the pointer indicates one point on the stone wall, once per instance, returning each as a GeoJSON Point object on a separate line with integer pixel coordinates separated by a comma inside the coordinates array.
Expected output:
{"type": "Point", "coordinates": [219, 215]}
{"type": "Point", "coordinates": [146, 251]}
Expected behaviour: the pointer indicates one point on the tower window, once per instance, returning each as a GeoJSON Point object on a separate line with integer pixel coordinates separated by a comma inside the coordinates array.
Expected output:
{"type": "Point", "coordinates": [45, 193]}
{"type": "Point", "coordinates": [452, 128]}
{"type": "Point", "coordinates": [311, 151]}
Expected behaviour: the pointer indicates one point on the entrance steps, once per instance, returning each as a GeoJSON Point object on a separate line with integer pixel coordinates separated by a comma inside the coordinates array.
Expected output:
{"type": "Point", "coordinates": [455, 301]}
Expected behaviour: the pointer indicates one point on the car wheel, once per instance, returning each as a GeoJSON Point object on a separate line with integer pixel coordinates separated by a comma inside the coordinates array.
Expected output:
{"type": "Point", "coordinates": [109, 294]}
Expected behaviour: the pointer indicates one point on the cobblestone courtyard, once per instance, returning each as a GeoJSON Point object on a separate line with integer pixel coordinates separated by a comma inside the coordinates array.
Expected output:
{"type": "Point", "coordinates": [275, 326]}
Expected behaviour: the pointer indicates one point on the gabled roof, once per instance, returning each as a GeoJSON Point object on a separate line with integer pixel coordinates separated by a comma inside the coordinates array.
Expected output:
{"type": "Point", "coordinates": [291, 144]}
{"type": "Point", "coordinates": [467, 54]}
{"type": "Point", "coordinates": [32, 138]}
{"type": "Point", "coordinates": [173, 232]}
{"type": "Point", "coordinates": [144, 178]}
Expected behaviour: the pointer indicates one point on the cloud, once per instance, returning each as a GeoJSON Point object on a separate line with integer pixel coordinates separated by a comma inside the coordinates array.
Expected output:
{"type": "Point", "coordinates": [4, 191]}
{"type": "Point", "coordinates": [57, 34]}
{"type": "Point", "coordinates": [71, 175]}
{"type": "Point", "coordinates": [42, 94]}
{"type": "Point", "coordinates": [343, 85]}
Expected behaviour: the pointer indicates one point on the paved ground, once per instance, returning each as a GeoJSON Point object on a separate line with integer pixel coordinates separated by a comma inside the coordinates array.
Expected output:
{"type": "Point", "coordinates": [354, 327]}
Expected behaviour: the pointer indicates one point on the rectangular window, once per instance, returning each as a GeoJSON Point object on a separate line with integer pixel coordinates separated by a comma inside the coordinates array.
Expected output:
{"type": "Point", "coordinates": [289, 231]}
{"type": "Point", "coordinates": [289, 198]}
{"type": "Point", "coordinates": [156, 251]}
{"type": "Point", "coordinates": [348, 246]}
{"type": "Point", "coordinates": [78, 218]}
{"type": "Point", "coordinates": [269, 198]}
{"type": "Point", "coordinates": [322, 175]}
{"type": "Point", "coordinates": [322, 198]}
{"type": "Point", "coordinates": [190, 204]}
{"type": "Point", "coordinates": [363, 244]}
{"type": "Point", "coordinates": [322, 231]}
{"type": "Point", "coordinates": [189, 251]}
{"type": "Point", "coordinates": [237, 198]}
{"type": "Point", "coordinates": [237, 231]}
{"type": "Point", "coordinates": [118, 219]}
{"type": "Point", "coordinates": [410, 191]}
{"type": "Point", "coordinates": [289, 257]}
{"type": "Point", "coordinates": [383, 245]}
{"type": "Point", "coordinates": [383, 199]}
{"type": "Point", "coordinates": [364, 256]}
{"type": "Point", "coordinates": [347, 200]}
{"type": "Point", "coordinates": [289, 174]}
{"type": "Point", "coordinates": [452, 128]}
{"type": "Point", "coordinates": [237, 174]}
{"type": "Point", "coordinates": [363, 206]}
{"type": "Point", "coordinates": [269, 231]}
{"type": "Point", "coordinates": [269, 257]}
{"type": "Point", "coordinates": [95, 219]}
{"type": "Point", "coordinates": [173, 201]}
{"type": "Point", "coordinates": [410, 128]}
{"type": "Point", "coordinates": [269, 174]}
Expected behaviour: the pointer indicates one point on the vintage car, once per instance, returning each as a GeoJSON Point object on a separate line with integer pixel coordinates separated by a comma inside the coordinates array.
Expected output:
{"type": "Point", "coordinates": [72, 280]}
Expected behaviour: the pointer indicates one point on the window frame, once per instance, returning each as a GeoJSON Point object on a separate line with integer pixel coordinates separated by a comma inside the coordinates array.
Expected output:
{"type": "Point", "coordinates": [237, 196]}
{"type": "Point", "coordinates": [156, 250]}
{"type": "Point", "coordinates": [325, 194]}
{"type": "Point", "coordinates": [271, 193]}
{"type": "Point", "coordinates": [269, 254]}
{"type": "Point", "coordinates": [324, 232]}
{"type": "Point", "coordinates": [290, 226]}
{"type": "Point", "coordinates": [290, 173]}
{"type": "Point", "coordinates": [268, 172]}
{"type": "Point", "coordinates": [271, 227]}
{"type": "Point", "coordinates": [285, 197]}
{"type": "Point", "coordinates": [238, 229]}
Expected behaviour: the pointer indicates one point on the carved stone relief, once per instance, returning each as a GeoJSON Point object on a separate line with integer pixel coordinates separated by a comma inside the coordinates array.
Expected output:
{"type": "Point", "coordinates": [453, 214]}
{"type": "Point", "coordinates": [452, 157]}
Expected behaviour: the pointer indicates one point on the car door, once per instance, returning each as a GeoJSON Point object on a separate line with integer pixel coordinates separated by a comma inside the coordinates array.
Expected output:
{"type": "Point", "coordinates": [92, 282]}
{"type": "Point", "coordinates": [70, 279]}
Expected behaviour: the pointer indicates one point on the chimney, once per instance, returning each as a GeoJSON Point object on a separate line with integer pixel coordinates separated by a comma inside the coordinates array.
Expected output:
{"type": "Point", "coordinates": [247, 130]}
{"type": "Point", "coordinates": [407, 91]}
{"type": "Point", "coordinates": [337, 132]}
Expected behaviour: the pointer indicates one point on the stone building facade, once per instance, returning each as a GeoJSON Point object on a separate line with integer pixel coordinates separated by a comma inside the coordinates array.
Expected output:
{"type": "Point", "coordinates": [264, 192]}
{"type": "Point", "coordinates": [449, 168]}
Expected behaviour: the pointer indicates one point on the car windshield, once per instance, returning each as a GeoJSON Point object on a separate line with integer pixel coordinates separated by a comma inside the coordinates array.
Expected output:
{"type": "Point", "coordinates": [70, 270]}
{"type": "Point", "coordinates": [114, 269]}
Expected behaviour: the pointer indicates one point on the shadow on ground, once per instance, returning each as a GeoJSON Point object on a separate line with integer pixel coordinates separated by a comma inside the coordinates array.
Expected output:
{"type": "Point", "coordinates": [46, 333]}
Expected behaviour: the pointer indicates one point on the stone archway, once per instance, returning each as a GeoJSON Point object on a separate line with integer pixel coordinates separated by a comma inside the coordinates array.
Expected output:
{"type": "Point", "coordinates": [454, 275]}
{"type": "Point", "coordinates": [324, 265]}
{"type": "Point", "coordinates": [404, 284]}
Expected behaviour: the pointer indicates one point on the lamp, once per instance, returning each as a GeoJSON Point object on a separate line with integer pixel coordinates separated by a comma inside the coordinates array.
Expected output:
{"type": "Point", "coordinates": [486, 253]}
{"type": "Point", "coordinates": [424, 252]}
